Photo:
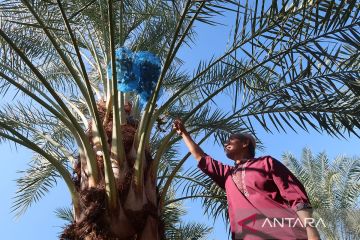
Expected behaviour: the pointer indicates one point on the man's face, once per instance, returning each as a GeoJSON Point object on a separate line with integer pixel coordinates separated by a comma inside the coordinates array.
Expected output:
{"type": "Point", "coordinates": [234, 147]}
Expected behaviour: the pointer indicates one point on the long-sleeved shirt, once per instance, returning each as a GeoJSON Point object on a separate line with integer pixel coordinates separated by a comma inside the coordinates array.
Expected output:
{"type": "Point", "coordinates": [263, 197]}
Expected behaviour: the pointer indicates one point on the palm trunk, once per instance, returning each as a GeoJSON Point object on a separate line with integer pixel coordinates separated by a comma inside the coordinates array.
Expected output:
{"type": "Point", "coordinates": [137, 216]}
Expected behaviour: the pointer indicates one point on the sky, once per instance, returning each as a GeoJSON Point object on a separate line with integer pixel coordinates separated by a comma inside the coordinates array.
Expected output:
{"type": "Point", "coordinates": [39, 222]}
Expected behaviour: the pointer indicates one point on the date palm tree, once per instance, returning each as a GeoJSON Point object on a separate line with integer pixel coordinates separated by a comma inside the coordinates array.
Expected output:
{"type": "Point", "coordinates": [334, 191]}
{"type": "Point", "coordinates": [293, 63]}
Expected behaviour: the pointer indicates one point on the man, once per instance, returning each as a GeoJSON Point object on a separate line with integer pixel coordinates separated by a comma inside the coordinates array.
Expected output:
{"type": "Point", "coordinates": [265, 200]}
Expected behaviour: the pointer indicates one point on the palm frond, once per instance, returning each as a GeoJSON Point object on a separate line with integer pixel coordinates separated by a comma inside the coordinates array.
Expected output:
{"type": "Point", "coordinates": [278, 58]}
{"type": "Point", "coordinates": [190, 231]}
{"type": "Point", "coordinates": [65, 214]}
{"type": "Point", "coordinates": [331, 189]}
{"type": "Point", "coordinates": [44, 130]}
{"type": "Point", "coordinates": [174, 227]}
{"type": "Point", "coordinates": [195, 183]}
{"type": "Point", "coordinates": [35, 183]}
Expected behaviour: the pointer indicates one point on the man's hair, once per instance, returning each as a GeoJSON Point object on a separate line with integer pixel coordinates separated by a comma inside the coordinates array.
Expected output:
{"type": "Point", "coordinates": [249, 137]}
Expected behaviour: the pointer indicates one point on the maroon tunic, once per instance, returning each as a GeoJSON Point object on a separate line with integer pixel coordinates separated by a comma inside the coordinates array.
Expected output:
{"type": "Point", "coordinates": [263, 197]}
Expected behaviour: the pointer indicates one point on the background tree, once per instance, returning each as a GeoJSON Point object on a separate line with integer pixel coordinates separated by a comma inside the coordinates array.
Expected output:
{"type": "Point", "coordinates": [334, 191]}
{"type": "Point", "coordinates": [289, 63]}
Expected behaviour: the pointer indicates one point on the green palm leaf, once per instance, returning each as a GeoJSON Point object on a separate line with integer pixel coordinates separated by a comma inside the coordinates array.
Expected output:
{"type": "Point", "coordinates": [331, 189]}
{"type": "Point", "coordinates": [36, 181]}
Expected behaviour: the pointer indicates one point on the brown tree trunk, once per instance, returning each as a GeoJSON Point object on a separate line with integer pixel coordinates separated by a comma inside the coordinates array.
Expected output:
{"type": "Point", "coordinates": [138, 214]}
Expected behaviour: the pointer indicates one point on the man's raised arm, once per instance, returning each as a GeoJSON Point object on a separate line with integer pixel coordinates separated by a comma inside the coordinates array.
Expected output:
{"type": "Point", "coordinates": [193, 147]}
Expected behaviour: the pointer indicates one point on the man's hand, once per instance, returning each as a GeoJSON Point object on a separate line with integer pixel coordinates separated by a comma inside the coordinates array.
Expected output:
{"type": "Point", "coordinates": [179, 127]}
{"type": "Point", "coordinates": [311, 231]}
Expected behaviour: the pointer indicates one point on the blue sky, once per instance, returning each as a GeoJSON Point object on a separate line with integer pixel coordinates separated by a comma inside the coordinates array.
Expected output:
{"type": "Point", "coordinates": [40, 222]}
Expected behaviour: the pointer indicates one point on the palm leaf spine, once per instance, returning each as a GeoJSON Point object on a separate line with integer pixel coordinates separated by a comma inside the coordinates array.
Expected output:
{"type": "Point", "coordinates": [24, 90]}
{"type": "Point", "coordinates": [276, 90]}
{"type": "Point", "coordinates": [93, 175]}
{"type": "Point", "coordinates": [259, 32]}
{"type": "Point", "coordinates": [109, 175]}
{"type": "Point", "coordinates": [172, 175]}
{"type": "Point", "coordinates": [97, 59]}
{"type": "Point", "coordinates": [191, 197]}
{"type": "Point", "coordinates": [64, 58]}
{"type": "Point", "coordinates": [44, 136]}
{"type": "Point", "coordinates": [210, 96]}
{"type": "Point", "coordinates": [150, 107]}
{"type": "Point", "coordinates": [58, 166]}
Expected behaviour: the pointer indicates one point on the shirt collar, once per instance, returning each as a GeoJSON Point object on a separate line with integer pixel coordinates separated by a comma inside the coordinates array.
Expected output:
{"type": "Point", "coordinates": [242, 161]}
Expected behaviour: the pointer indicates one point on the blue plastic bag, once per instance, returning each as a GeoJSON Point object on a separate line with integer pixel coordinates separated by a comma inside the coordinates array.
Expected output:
{"type": "Point", "coordinates": [127, 81]}
{"type": "Point", "coordinates": [137, 71]}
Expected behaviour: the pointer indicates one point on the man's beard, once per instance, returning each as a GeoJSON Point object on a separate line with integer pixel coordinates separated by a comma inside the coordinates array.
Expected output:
{"type": "Point", "coordinates": [229, 155]}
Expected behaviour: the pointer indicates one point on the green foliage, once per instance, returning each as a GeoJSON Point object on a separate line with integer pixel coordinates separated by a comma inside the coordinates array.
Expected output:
{"type": "Point", "coordinates": [175, 227]}
{"type": "Point", "coordinates": [36, 181]}
{"type": "Point", "coordinates": [65, 214]}
{"type": "Point", "coordinates": [334, 191]}
{"type": "Point", "coordinates": [190, 231]}
{"type": "Point", "coordinates": [193, 184]}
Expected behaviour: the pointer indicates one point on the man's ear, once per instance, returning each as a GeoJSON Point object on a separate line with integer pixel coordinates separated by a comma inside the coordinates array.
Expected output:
{"type": "Point", "coordinates": [246, 143]}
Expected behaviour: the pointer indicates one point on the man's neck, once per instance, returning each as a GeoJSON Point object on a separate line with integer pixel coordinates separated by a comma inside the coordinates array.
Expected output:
{"type": "Point", "coordinates": [242, 159]}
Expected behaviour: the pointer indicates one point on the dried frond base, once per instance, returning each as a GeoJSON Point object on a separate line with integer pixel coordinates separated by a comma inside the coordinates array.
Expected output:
{"type": "Point", "coordinates": [92, 224]}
